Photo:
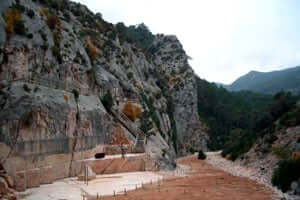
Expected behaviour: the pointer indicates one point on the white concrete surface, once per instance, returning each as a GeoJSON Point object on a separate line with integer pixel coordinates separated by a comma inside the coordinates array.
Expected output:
{"type": "Point", "coordinates": [71, 189]}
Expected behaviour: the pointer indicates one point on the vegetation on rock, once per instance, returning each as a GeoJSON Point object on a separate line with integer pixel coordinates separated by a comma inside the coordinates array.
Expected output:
{"type": "Point", "coordinates": [287, 172]}
{"type": "Point", "coordinates": [14, 23]}
{"type": "Point", "coordinates": [132, 111]}
{"type": "Point", "coordinates": [107, 100]}
{"type": "Point", "coordinates": [91, 50]}
{"type": "Point", "coordinates": [76, 94]}
{"type": "Point", "coordinates": [201, 155]}
{"type": "Point", "coordinates": [139, 34]}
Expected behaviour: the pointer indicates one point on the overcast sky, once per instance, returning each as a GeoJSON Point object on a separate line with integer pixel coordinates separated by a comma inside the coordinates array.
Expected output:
{"type": "Point", "coordinates": [225, 38]}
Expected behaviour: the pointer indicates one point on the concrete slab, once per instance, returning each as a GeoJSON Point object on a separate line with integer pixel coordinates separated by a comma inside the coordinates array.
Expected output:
{"type": "Point", "coordinates": [72, 189]}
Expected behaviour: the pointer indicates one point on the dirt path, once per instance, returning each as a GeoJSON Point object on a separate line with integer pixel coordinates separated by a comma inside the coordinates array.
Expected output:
{"type": "Point", "coordinates": [204, 182]}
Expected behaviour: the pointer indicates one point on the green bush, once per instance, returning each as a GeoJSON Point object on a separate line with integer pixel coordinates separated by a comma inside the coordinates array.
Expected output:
{"type": "Point", "coordinates": [239, 142]}
{"type": "Point", "coordinates": [52, 21]}
{"type": "Point", "coordinates": [287, 172]}
{"type": "Point", "coordinates": [19, 27]}
{"type": "Point", "coordinates": [107, 100]}
{"type": "Point", "coordinates": [76, 94]}
{"type": "Point", "coordinates": [281, 152]}
{"type": "Point", "coordinates": [201, 155]}
{"type": "Point", "coordinates": [56, 54]}
{"type": "Point", "coordinates": [26, 88]}
{"type": "Point", "coordinates": [30, 13]}
{"type": "Point", "coordinates": [129, 75]}
{"type": "Point", "coordinates": [29, 35]}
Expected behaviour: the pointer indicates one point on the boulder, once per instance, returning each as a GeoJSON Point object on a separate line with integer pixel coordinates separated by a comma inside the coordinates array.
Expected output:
{"type": "Point", "coordinates": [3, 186]}
{"type": "Point", "coordinates": [8, 179]}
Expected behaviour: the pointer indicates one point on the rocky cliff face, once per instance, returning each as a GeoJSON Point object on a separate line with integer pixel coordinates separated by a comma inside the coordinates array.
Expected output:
{"type": "Point", "coordinates": [58, 60]}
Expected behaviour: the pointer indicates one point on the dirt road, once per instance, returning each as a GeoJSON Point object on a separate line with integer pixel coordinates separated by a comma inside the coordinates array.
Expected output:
{"type": "Point", "coordinates": [204, 182]}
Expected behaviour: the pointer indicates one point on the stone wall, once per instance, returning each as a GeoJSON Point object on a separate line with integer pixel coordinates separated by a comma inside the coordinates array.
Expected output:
{"type": "Point", "coordinates": [59, 169]}
{"type": "Point", "coordinates": [30, 173]}
{"type": "Point", "coordinates": [116, 149]}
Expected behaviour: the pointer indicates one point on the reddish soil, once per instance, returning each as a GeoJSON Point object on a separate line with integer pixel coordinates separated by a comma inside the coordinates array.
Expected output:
{"type": "Point", "coordinates": [203, 183]}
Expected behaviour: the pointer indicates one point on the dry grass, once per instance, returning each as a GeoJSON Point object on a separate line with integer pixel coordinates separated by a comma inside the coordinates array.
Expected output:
{"type": "Point", "coordinates": [132, 111]}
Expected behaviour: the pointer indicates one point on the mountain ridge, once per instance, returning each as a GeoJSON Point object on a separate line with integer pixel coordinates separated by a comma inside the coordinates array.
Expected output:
{"type": "Point", "coordinates": [268, 82]}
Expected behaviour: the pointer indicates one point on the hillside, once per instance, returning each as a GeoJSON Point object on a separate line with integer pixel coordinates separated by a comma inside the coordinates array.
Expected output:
{"type": "Point", "coordinates": [269, 82]}
{"type": "Point", "coordinates": [73, 85]}
{"type": "Point", "coordinates": [227, 112]}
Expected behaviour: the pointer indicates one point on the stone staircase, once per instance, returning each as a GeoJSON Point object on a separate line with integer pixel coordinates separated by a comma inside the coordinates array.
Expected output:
{"type": "Point", "coordinates": [140, 136]}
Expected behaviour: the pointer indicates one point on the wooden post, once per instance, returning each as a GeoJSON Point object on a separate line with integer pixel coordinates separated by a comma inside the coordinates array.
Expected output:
{"type": "Point", "coordinates": [87, 176]}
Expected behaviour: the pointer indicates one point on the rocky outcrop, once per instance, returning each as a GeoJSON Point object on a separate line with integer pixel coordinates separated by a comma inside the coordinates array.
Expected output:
{"type": "Point", "coordinates": [53, 76]}
{"type": "Point", "coordinates": [7, 186]}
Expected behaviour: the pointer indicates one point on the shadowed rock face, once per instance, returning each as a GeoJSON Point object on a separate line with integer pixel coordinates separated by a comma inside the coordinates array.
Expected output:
{"type": "Point", "coordinates": [45, 124]}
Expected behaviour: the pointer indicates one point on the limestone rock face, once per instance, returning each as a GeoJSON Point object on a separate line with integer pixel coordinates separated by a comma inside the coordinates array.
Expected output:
{"type": "Point", "coordinates": [52, 81]}
{"type": "Point", "coordinates": [174, 65]}
{"type": "Point", "coordinates": [6, 187]}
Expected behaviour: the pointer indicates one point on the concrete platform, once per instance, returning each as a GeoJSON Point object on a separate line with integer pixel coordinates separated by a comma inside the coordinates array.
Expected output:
{"type": "Point", "coordinates": [72, 189]}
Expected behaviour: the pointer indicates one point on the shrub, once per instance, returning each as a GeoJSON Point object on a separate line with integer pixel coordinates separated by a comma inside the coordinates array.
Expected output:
{"type": "Point", "coordinates": [56, 53]}
{"type": "Point", "coordinates": [66, 97]}
{"type": "Point", "coordinates": [131, 111]}
{"type": "Point", "coordinates": [52, 21]}
{"type": "Point", "coordinates": [14, 23]}
{"type": "Point", "coordinates": [291, 118]}
{"type": "Point", "coordinates": [56, 38]}
{"type": "Point", "coordinates": [281, 152]}
{"type": "Point", "coordinates": [172, 80]}
{"type": "Point", "coordinates": [201, 155]}
{"type": "Point", "coordinates": [26, 88]}
{"type": "Point", "coordinates": [18, 7]}
{"type": "Point", "coordinates": [67, 16]}
{"type": "Point", "coordinates": [92, 74]}
{"type": "Point", "coordinates": [76, 94]}
{"type": "Point", "coordinates": [30, 13]}
{"type": "Point", "coordinates": [36, 89]}
{"type": "Point", "coordinates": [163, 153]}
{"type": "Point", "coordinates": [56, 47]}
{"type": "Point", "coordinates": [146, 124]}
{"type": "Point", "coordinates": [295, 156]}
{"type": "Point", "coordinates": [129, 75]}
{"type": "Point", "coordinates": [19, 27]}
{"type": "Point", "coordinates": [44, 12]}
{"type": "Point", "coordinates": [287, 172]}
{"type": "Point", "coordinates": [29, 35]}
{"type": "Point", "coordinates": [43, 35]}
{"type": "Point", "coordinates": [91, 50]}
{"type": "Point", "coordinates": [192, 150]}
{"type": "Point", "coordinates": [107, 101]}
{"type": "Point", "coordinates": [239, 142]}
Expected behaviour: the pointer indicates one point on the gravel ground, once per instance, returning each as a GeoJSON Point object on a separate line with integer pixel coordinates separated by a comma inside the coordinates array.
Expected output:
{"type": "Point", "coordinates": [234, 168]}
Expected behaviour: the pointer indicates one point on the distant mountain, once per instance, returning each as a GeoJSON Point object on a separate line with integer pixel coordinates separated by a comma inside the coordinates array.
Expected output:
{"type": "Point", "coordinates": [269, 82]}
{"type": "Point", "coordinates": [221, 85]}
